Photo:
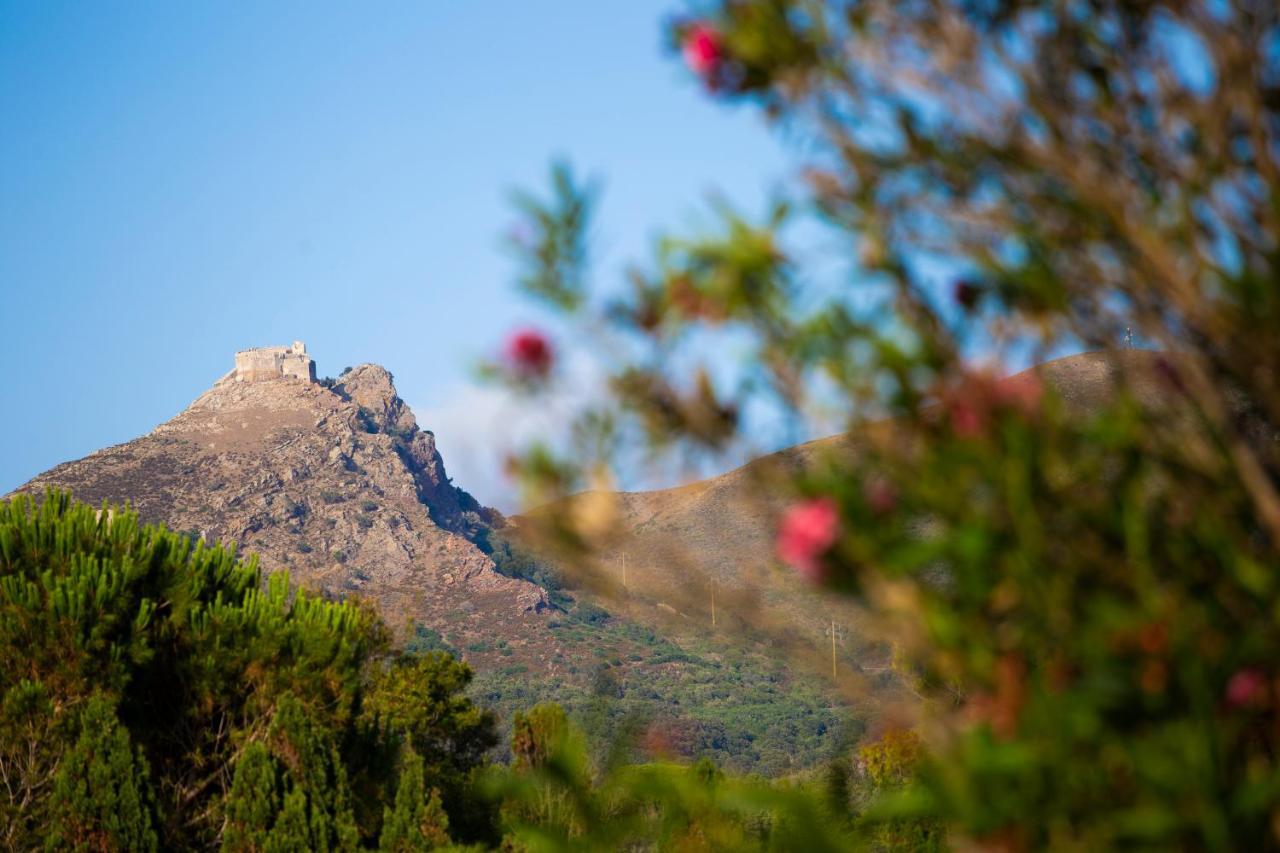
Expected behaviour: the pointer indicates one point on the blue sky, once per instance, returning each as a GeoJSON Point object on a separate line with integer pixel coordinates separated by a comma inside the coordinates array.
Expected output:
{"type": "Point", "coordinates": [182, 180]}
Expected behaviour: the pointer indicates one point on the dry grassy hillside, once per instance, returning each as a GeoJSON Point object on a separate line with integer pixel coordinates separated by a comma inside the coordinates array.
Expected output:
{"type": "Point", "coordinates": [682, 546]}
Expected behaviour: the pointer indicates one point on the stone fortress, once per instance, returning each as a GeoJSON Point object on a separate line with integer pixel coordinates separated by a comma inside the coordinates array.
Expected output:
{"type": "Point", "coordinates": [263, 364]}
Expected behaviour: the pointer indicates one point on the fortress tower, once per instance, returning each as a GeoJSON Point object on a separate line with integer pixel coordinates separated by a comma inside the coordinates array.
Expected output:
{"type": "Point", "coordinates": [262, 364]}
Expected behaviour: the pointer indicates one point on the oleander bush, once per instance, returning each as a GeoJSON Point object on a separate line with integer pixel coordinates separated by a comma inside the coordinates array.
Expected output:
{"type": "Point", "coordinates": [1080, 579]}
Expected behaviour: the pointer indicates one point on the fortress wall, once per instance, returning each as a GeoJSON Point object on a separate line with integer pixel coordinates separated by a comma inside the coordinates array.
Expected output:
{"type": "Point", "coordinates": [298, 366]}
{"type": "Point", "coordinates": [267, 363]}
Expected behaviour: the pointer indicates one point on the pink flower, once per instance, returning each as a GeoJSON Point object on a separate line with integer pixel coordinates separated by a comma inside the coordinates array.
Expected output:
{"type": "Point", "coordinates": [968, 420]}
{"type": "Point", "coordinates": [880, 495]}
{"type": "Point", "coordinates": [703, 51]}
{"type": "Point", "coordinates": [1021, 393]}
{"type": "Point", "coordinates": [805, 533]}
{"type": "Point", "coordinates": [529, 353]}
{"type": "Point", "coordinates": [1245, 688]}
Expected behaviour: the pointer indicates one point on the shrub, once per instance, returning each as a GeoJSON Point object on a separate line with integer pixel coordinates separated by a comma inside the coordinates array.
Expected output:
{"type": "Point", "coordinates": [1078, 573]}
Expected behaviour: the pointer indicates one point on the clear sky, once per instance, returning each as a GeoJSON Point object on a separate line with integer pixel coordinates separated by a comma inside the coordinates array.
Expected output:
{"type": "Point", "coordinates": [182, 180]}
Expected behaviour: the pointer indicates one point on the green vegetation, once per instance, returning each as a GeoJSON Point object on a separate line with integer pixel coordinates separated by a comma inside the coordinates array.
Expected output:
{"type": "Point", "coordinates": [426, 640]}
{"type": "Point", "coordinates": [556, 796]}
{"type": "Point", "coordinates": [741, 710]}
{"type": "Point", "coordinates": [744, 710]}
{"type": "Point", "coordinates": [168, 700]}
{"type": "Point", "coordinates": [1081, 581]}
{"type": "Point", "coordinates": [516, 562]}
{"type": "Point", "coordinates": [162, 697]}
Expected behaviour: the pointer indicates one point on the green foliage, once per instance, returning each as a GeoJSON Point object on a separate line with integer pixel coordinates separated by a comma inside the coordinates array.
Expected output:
{"type": "Point", "coordinates": [419, 702]}
{"type": "Point", "coordinates": [304, 763]}
{"type": "Point", "coordinates": [254, 803]}
{"type": "Point", "coordinates": [417, 822]}
{"type": "Point", "coordinates": [1080, 579]}
{"type": "Point", "coordinates": [101, 798]}
{"type": "Point", "coordinates": [537, 734]}
{"type": "Point", "coordinates": [425, 639]}
{"type": "Point", "coordinates": [164, 694]}
{"type": "Point", "coordinates": [515, 562]}
{"type": "Point", "coordinates": [553, 251]}
{"type": "Point", "coordinates": [741, 709]}
{"type": "Point", "coordinates": [590, 614]}
{"type": "Point", "coordinates": [559, 800]}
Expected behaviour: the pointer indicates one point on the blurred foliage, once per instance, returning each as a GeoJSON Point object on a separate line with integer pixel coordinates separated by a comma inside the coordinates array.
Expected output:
{"type": "Point", "coordinates": [559, 795]}
{"type": "Point", "coordinates": [1081, 581]}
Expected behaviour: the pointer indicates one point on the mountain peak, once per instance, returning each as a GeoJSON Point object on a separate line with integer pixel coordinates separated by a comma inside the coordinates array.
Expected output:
{"type": "Point", "coordinates": [372, 388]}
{"type": "Point", "coordinates": [332, 480]}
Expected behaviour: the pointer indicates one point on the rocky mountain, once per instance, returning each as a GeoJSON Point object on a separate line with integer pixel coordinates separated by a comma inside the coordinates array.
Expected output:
{"type": "Point", "coordinates": [335, 482]}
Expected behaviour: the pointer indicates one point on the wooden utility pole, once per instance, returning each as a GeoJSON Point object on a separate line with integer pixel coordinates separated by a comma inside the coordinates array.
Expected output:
{"type": "Point", "coordinates": [713, 603]}
{"type": "Point", "coordinates": [834, 634]}
{"type": "Point", "coordinates": [624, 572]}
{"type": "Point", "coordinates": [833, 650]}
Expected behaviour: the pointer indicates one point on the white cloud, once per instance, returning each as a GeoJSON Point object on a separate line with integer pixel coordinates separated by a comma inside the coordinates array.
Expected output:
{"type": "Point", "coordinates": [478, 426]}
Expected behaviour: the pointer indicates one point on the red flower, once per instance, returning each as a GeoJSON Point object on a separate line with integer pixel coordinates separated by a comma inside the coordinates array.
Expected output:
{"type": "Point", "coordinates": [966, 294]}
{"type": "Point", "coordinates": [1168, 373]}
{"type": "Point", "coordinates": [1245, 688]}
{"type": "Point", "coordinates": [703, 51]}
{"type": "Point", "coordinates": [805, 533]}
{"type": "Point", "coordinates": [529, 353]}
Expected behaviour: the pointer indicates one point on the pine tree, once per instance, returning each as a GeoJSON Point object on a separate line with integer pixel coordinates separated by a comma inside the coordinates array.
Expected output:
{"type": "Point", "coordinates": [417, 822]}
{"type": "Point", "coordinates": [253, 802]}
{"type": "Point", "coordinates": [191, 646]}
{"type": "Point", "coordinates": [306, 749]}
{"type": "Point", "coordinates": [298, 758]}
{"type": "Point", "coordinates": [291, 833]}
{"type": "Point", "coordinates": [101, 796]}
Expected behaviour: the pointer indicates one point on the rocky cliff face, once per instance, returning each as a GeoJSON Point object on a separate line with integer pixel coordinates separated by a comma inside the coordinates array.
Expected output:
{"type": "Point", "coordinates": [336, 484]}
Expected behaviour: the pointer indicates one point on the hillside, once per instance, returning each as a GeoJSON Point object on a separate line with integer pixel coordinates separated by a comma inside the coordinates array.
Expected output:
{"type": "Point", "coordinates": [335, 482]}
{"type": "Point", "coordinates": [679, 544]}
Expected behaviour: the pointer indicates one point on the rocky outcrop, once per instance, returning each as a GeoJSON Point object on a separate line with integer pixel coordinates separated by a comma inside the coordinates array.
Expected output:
{"type": "Point", "coordinates": [370, 387]}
